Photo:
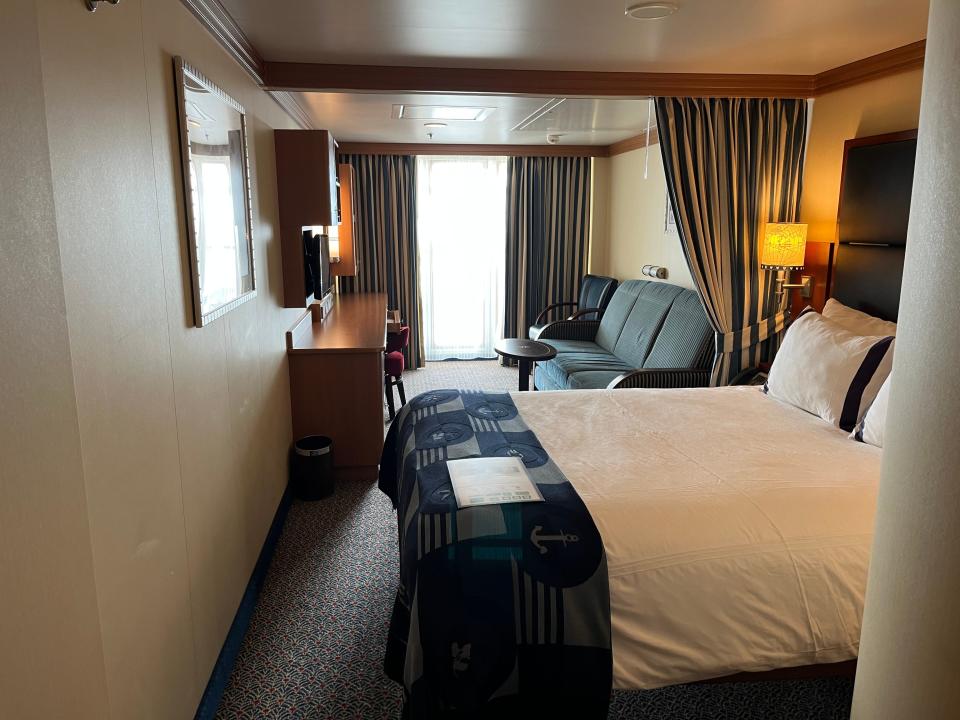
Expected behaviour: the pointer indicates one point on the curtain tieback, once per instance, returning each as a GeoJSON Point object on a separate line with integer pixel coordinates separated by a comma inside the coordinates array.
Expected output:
{"type": "Point", "coordinates": [752, 334]}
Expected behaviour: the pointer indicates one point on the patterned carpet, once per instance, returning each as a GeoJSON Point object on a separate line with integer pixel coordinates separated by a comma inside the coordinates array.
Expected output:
{"type": "Point", "coordinates": [314, 647]}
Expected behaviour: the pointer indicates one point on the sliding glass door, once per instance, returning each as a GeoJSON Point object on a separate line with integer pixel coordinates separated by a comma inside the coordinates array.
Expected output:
{"type": "Point", "coordinates": [461, 233]}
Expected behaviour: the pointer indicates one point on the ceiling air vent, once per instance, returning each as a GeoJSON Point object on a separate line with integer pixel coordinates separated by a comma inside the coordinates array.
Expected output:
{"type": "Point", "coordinates": [548, 107]}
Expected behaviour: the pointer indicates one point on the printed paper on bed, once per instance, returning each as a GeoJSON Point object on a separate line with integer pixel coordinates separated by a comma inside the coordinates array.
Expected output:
{"type": "Point", "coordinates": [491, 481]}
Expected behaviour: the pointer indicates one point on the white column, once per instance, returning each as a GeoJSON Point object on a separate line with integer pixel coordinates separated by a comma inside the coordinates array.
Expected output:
{"type": "Point", "coordinates": [910, 647]}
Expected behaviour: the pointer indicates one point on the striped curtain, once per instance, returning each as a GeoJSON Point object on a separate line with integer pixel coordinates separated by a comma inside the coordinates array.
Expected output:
{"type": "Point", "coordinates": [548, 235]}
{"type": "Point", "coordinates": [733, 164]}
{"type": "Point", "coordinates": [385, 239]}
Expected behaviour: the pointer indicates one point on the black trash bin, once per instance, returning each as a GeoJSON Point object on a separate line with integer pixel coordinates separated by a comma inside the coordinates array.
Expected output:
{"type": "Point", "coordinates": [311, 467]}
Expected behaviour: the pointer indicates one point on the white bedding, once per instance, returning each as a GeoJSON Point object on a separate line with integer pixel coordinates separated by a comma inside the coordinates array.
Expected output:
{"type": "Point", "coordinates": [737, 528]}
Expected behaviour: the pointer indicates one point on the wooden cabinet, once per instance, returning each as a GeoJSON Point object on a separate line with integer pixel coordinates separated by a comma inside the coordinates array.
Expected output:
{"type": "Point", "coordinates": [336, 380]}
{"type": "Point", "coordinates": [308, 194]}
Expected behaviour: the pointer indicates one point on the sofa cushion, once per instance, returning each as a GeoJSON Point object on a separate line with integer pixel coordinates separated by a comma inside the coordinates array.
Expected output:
{"type": "Point", "coordinates": [566, 364]}
{"type": "Point", "coordinates": [541, 381]}
{"type": "Point", "coordinates": [686, 338]}
{"type": "Point", "coordinates": [617, 311]}
{"type": "Point", "coordinates": [592, 379]}
{"type": "Point", "coordinates": [643, 323]}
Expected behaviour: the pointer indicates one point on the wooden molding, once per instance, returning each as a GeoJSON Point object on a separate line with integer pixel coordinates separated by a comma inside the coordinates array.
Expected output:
{"type": "Point", "coordinates": [290, 105]}
{"type": "Point", "coordinates": [901, 59]}
{"type": "Point", "coordinates": [565, 83]}
{"type": "Point", "coordinates": [634, 143]}
{"type": "Point", "coordinates": [218, 22]}
{"type": "Point", "coordinates": [363, 148]}
{"type": "Point", "coordinates": [369, 78]}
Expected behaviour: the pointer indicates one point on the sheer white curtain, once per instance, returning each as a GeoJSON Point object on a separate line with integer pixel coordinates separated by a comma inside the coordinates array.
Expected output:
{"type": "Point", "coordinates": [461, 234]}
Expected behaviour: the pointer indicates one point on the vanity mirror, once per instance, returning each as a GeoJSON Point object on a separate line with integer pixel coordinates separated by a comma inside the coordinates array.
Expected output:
{"type": "Point", "coordinates": [216, 186]}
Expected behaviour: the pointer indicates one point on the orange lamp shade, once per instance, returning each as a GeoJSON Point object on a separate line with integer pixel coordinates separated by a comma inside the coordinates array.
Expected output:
{"type": "Point", "coordinates": [784, 245]}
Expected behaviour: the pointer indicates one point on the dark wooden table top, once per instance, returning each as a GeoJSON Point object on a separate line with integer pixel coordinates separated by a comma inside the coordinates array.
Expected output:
{"type": "Point", "coordinates": [523, 349]}
{"type": "Point", "coordinates": [355, 323]}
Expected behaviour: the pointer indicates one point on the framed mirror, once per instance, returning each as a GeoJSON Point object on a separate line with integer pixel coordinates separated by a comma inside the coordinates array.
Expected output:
{"type": "Point", "coordinates": [216, 189]}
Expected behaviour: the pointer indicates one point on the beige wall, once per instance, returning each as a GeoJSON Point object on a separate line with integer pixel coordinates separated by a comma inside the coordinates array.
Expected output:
{"type": "Point", "coordinates": [881, 106]}
{"type": "Point", "coordinates": [49, 631]}
{"type": "Point", "coordinates": [179, 434]}
{"type": "Point", "coordinates": [631, 210]}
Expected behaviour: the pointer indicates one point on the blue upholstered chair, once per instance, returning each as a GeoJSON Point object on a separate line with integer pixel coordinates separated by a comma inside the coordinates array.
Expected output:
{"type": "Point", "coordinates": [595, 294]}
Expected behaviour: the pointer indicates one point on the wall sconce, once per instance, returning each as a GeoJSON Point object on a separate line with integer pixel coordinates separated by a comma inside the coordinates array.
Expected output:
{"type": "Point", "coordinates": [654, 271]}
{"type": "Point", "coordinates": [334, 248]}
{"type": "Point", "coordinates": [783, 250]}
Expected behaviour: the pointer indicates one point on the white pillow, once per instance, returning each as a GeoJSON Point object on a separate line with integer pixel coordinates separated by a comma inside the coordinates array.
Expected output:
{"type": "Point", "coordinates": [857, 322]}
{"type": "Point", "coordinates": [829, 371]}
{"type": "Point", "coordinates": [870, 429]}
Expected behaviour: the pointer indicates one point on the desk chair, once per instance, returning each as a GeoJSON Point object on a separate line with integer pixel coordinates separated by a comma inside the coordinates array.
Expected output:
{"type": "Point", "coordinates": [393, 367]}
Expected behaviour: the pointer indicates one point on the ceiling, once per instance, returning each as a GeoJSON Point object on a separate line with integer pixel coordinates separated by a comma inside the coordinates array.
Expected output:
{"type": "Point", "coordinates": [714, 36]}
{"type": "Point", "coordinates": [367, 117]}
{"type": "Point", "coordinates": [801, 37]}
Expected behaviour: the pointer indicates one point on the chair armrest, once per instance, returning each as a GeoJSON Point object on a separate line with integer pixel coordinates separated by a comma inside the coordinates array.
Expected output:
{"type": "Point", "coordinates": [570, 330]}
{"type": "Point", "coordinates": [543, 313]}
{"type": "Point", "coordinates": [586, 311]}
{"type": "Point", "coordinates": [662, 378]}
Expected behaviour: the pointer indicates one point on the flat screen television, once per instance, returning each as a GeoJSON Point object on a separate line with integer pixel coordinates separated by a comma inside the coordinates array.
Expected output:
{"type": "Point", "coordinates": [316, 264]}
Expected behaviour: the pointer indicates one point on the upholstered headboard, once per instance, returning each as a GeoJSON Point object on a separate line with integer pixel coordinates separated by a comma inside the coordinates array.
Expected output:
{"type": "Point", "coordinates": [875, 188]}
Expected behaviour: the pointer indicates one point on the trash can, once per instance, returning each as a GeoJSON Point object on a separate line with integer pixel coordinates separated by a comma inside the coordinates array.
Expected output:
{"type": "Point", "coordinates": [311, 468]}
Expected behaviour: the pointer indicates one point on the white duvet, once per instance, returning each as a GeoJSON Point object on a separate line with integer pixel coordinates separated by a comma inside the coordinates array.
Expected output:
{"type": "Point", "coordinates": [737, 528]}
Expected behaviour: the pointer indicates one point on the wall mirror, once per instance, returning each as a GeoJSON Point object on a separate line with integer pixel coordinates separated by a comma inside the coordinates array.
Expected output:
{"type": "Point", "coordinates": [216, 188]}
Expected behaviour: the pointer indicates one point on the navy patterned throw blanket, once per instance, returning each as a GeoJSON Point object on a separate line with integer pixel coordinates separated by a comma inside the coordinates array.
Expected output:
{"type": "Point", "coordinates": [501, 609]}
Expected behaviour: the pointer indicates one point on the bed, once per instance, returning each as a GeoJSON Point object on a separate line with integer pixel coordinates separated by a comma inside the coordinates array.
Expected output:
{"type": "Point", "coordinates": [770, 567]}
{"type": "Point", "coordinates": [735, 530]}
{"type": "Point", "coordinates": [721, 556]}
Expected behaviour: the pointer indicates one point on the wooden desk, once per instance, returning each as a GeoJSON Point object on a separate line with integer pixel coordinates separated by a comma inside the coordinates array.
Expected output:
{"type": "Point", "coordinates": [336, 380]}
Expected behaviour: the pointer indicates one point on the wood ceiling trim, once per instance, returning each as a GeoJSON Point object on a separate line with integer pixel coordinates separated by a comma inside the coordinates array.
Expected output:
{"type": "Point", "coordinates": [901, 59]}
{"type": "Point", "coordinates": [293, 108]}
{"type": "Point", "coordinates": [370, 148]}
{"type": "Point", "coordinates": [219, 23]}
{"type": "Point", "coordinates": [634, 143]}
{"type": "Point", "coordinates": [314, 77]}
{"type": "Point", "coordinates": [225, 30]}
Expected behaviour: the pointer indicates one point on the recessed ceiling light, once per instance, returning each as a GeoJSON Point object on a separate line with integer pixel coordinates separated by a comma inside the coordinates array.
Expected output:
{"type": "Point", "coordinates": [434, 125]}
{"type": "Point", "coordinates": [650, 10]}
{"type": "Point", "coordinates": [440, 112]}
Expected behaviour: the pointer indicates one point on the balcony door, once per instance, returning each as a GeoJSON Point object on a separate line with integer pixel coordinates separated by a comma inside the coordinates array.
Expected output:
{"type": "Point", "coordinates": [461, 234]}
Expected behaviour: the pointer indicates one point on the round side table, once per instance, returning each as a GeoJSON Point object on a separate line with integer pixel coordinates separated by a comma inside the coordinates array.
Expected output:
{"type": "Point", "coordinates": [524, 352]}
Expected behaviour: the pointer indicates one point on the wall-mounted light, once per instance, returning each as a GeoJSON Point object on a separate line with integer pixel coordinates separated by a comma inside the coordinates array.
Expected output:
{"type": "Point", "coordinates": [783, 250]}
{"type": "Point", "coordinates": [93, 4]}
{"type": "Point", "coordinates": [334, 242]}
{"type": "Point", "coordinates": [654, 271]}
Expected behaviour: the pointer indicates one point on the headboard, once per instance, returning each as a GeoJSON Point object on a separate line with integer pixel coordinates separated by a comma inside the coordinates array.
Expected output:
{"type": "Point", "coordinates": [875, 189]}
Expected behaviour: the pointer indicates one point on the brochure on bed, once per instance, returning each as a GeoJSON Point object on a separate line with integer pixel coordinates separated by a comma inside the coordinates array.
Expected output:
{"type": "Point", "coordinates": [501, 607]}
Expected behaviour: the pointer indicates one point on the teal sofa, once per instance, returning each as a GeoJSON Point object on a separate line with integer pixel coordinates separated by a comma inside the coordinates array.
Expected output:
{"type": "Point", "coordinates": [652, 334]}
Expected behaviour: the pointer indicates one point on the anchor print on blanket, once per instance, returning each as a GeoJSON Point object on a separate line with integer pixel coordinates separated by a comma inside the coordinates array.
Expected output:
{"type": "Point", "coordinates": [539, 540]}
